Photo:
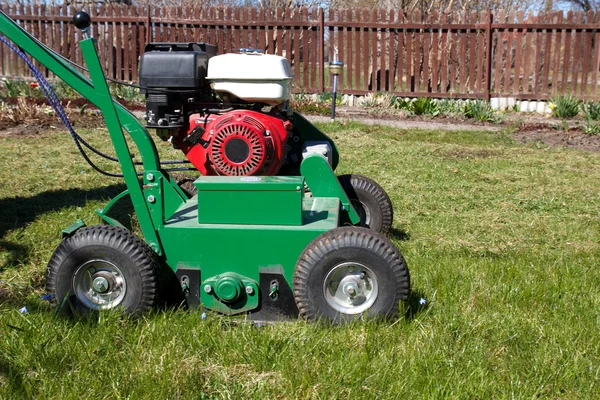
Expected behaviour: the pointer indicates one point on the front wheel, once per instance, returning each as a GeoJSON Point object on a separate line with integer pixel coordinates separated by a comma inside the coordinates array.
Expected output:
{"type": "Point", "coordinates": [349, 273]}
{"type": "Point", "coordinates": [101, 268]}
{"type": "Point", "coordinates": [371, 202]}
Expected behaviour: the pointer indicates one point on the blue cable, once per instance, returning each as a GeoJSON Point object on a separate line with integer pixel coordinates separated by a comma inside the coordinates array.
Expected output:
{"type": "Point", "coordinates": [60, 112]}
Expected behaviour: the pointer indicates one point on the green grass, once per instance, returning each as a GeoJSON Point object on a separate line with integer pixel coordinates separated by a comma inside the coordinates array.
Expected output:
{"type": "Point", "coordinates": [501, 239]}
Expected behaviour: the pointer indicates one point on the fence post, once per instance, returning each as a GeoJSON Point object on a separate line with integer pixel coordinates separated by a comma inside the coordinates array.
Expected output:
{"type": "Point", "coordinates": [488, 70]}
{"type": "Point", "coordinates": [322, 51]}
{"type": "Point", "coordinates": [149, 24]}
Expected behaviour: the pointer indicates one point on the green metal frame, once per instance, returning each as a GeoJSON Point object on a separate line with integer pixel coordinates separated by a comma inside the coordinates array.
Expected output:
{"type": "Point", "coordinates": [222, 249]}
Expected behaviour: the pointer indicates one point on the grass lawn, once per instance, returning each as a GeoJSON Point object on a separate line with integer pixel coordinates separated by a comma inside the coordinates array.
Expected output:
{"type": "Point", "coordinates": [501, 240]}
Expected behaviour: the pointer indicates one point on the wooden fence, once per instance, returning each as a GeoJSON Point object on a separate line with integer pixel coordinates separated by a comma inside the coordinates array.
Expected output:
{"type": "Point", "coordinates": [443, 55]}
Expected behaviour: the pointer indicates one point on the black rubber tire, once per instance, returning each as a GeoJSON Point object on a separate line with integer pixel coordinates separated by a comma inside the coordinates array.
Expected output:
{"type": "Point", "coordinates": [369, 199]}
{"type": "Point", "coordinates": [137, 262]}
{"type": "Point", "coordinates": [350, 244]}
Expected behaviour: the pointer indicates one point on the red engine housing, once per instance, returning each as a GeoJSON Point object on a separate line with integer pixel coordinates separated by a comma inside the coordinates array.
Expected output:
{"type": "Point", "coordinates": [239, 142]}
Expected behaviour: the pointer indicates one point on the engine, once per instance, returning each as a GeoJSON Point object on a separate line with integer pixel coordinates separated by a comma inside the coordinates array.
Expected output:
{"type": "Point", "coordinates": [227, 113]}
{"type": "Point", "coordinates": [239, 142]}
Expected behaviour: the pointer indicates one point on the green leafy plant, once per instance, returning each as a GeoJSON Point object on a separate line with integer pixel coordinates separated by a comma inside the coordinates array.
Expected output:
{"type": "Point", "coordinates": [400, 103]}
{"type": "Point", "coordinates": [567, 106]}
{"type": "Point", "coordinates": [15, 87]}
{"type": "Point", "coordinates": [591, 110]}
{"type": "Point", "coordinates": [327, 96]}
{"type": "Point", "coordinates": [127, 93]}
{"type": "Point", "coordinates": [591, 127]}
{"type": "Point", "coordinates": [479, 110]}
{"type": "Point", "coordinates": [63, 90]}
{"type": "Point", "coordinates": [450, 106]}
{"type": "Point", "coordinates": [425, 106]}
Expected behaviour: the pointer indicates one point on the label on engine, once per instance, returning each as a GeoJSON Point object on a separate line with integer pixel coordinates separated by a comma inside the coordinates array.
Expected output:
{"type": "Point", "coordinates": [250, 179]}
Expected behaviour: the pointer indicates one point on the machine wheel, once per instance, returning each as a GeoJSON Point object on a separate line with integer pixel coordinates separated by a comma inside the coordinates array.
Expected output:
{"type": "Point", "coordinates": [348, 273]}
{"type": "Point", "coordinates": [104, 267]}
{"type": "Point", "coordinates": [370, 201]}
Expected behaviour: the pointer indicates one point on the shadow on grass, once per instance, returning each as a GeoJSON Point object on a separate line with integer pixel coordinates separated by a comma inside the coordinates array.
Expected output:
{"type": "Point", "coordinates": [17, 212]}
{"type": "Point", "coordinates": [399, 234]}
{"type": "Point", "coordinates": [14, 378]}
{"type": "Point", "coordinates": [414, 305]}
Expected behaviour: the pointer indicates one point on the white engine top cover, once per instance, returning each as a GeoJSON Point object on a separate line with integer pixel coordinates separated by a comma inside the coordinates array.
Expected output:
{"type": "Point", "coordinates": [255, 78]}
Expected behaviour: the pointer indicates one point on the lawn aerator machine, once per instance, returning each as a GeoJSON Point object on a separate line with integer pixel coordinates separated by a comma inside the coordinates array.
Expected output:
{"type": "Point", "coordinates": [270, 231]}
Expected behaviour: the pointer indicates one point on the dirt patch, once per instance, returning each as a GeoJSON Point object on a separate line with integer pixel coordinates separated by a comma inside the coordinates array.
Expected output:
{"type": "Point", "coordinates": [546, 136]}
{"type": "Point", "coordinates": [71, 103]}
{"type": "Point", "coordinates": [41, 123]}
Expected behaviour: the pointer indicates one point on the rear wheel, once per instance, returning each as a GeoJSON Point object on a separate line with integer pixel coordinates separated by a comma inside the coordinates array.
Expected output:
{"type": "Point", "coordinates": [371, 202]}
{"type": "Point", "coordinates": [101, 268]}
{"type": "Point", "coordinates": [349, 273]}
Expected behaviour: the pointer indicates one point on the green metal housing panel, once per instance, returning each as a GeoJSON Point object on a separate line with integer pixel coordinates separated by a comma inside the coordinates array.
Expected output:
{"type": "Point", "coordinates": [251, 200]}
{"type": "Point", "coordinates": [219, 248]}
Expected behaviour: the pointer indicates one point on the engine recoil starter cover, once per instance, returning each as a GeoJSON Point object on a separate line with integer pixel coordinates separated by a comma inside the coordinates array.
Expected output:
{"type": "Point", "coordinates": [237, 143]}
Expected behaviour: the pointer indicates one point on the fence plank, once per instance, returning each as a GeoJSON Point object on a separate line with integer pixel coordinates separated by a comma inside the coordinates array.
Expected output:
{"type": "Point", "coordinates": [481, 54]}
{"type": "Point", "coordinates": [576, 54]}
{"type": "Point", "coordinates": [444, 57]}
{"type": "Point", "coordinates": [409, 55]}
{"type": "Point", "coordinates": [400, 53]}
{"type": "Point", "coordinates": [296, 58]}
{"type": "Point", "coordinates": [557, 54]}
{"type": "Point", "coordinates": [567, 54]}
{"type": "Point", "coordinates": [382, 32]}
{"type": "Point", "coordinates": [454, 54]}
{"type": "Point", "coordinates": [418, 52]}
{"type": "Point", "coordinates": [433, 87]}
{"type": "Point", "coordinates": [374, 66]}
{"type": "Point", "coordinates": [426, 52]}
{"type": "Point", "coordinates": [472, 53]}
{"type": "Point", "coordinates": [595, 61]}
{"type": "Point", "coordinates": [390, 74]}
{"type": "Point", "coordinates": [349, 56]}
{"type": "Point", "coordinates": [550, 17]}
{"type": "Point", "coordinates": [499, 55]}
{"type": "Point", "coordinates": [463, 54]}
{"type": "Point", "coordinates": [587, 48]}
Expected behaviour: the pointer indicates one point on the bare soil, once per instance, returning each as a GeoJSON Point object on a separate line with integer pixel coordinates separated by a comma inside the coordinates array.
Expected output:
{"type": "Point", "coordinates": [550, 136]}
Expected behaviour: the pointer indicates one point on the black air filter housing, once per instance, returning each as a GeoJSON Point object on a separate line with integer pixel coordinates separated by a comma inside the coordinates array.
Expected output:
{"type": "Point", "coordinates": [175, 65]}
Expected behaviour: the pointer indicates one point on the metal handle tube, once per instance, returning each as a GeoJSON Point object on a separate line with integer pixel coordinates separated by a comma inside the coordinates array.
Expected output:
{"type": "Point", "coordinates": [333, 98]}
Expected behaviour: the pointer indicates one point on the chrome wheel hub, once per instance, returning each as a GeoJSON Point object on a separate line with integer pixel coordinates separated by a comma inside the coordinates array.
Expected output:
{"type": "Point", "coordinates": [350, 288]}
{"type": "Point", "coordinates": [99, 284]}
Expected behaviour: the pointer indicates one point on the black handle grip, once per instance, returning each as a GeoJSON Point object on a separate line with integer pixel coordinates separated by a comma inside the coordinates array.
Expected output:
{"type": "Point", "coordinates": [82, 20]}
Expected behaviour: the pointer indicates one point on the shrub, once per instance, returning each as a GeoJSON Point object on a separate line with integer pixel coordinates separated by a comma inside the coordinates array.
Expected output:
{"type": "Point", "coordinates": [479, 110]}
{"type": "Point", "coordinates": [565, 106]}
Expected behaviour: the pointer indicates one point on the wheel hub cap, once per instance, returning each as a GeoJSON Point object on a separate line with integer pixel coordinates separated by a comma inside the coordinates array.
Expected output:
{"type": "Point", "coordinates": [350, 288]}
{"type": "Point", "coordinates": [99, 284]}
